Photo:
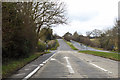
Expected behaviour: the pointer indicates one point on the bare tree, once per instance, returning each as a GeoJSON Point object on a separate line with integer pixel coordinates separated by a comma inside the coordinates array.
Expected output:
{"type": "Point", "coordinates": [96, 33]}
{"type": "Point", "coordinates": [88, 33]}
{"type": "Point", "coordinates": [49, 13]}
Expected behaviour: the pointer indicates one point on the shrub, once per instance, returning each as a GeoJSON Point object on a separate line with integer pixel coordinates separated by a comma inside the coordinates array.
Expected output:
{"type": "Point", "coordinates": [19, 37]}
{"type": "Point", "coordinates": [51, 44]}
{"type": "Point", "coordinates": [41, 46]}
{"type": "Point", "coordinates": [56, 45]}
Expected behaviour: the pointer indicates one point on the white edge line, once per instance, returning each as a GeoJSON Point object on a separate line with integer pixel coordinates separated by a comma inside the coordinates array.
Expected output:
{"type": "Point", "coordinates": [100, 68]}
{"type": "Point", "coordinates": [44, 62]}
{"type": "Point", "coordinates": [41, 64]}
{"type": "Point", "coordinates": [35, 70]}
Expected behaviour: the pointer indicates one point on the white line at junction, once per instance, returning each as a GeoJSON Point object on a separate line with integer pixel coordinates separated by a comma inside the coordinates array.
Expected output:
{"type": "Point", "coordinates": [100, 68]}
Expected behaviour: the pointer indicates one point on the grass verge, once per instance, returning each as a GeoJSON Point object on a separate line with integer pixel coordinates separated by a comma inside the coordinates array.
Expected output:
{"type": "Point", "coordinates": [71, 45]}
{"type": "Point", "coordinates": [57, 45]}
{"type": "Point", "coordinates": [14, 65]}
{"type": "Point", "coordinates": [96, 48]}
{"type": "Point", "coordinates": [113, 56]}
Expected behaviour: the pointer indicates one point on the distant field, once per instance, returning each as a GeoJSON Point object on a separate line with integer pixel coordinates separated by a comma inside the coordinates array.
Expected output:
{"type": "Point", "coordinates": [113, 56]}
{"type": "Point", "coordinates": [92, 39]}
{"type": "Point", "coordinates": [95, 40]}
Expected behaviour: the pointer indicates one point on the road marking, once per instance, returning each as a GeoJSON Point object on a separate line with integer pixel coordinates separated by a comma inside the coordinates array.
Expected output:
{"type": "Point", "coordinates": [84, 76]}
{"type": "Point", "coordinates": [48, 59]}
{"type": "Point", "coordinates": [52, 59]}
{"type": "Point", "coordinates": [20, 74]}
{"type": "Point", "coordinates": [44, 62]}
{"type": "Point", "coordinates": [29, 75]}
{"type": "Point", "coordinates": [41, 64]}
{"type": "Point", "coordinates": [100, 68]}
{"type": "Point", "coordinates": [69, 65]}
{"type": "Point", "coordinates": [36, 69]}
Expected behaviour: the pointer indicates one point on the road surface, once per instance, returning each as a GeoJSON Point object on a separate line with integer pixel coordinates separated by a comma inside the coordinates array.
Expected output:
{"type": "Point", "coordinates": [67, 63]}
{"type": "Point", "coordinates": [83, 47]}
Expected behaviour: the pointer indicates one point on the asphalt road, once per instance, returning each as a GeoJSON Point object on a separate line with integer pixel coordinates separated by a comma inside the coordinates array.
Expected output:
{"type": "Point", "coordinates": [67, 63]}
{"type": "Point", "coordinates": [83, 47]}
{"type": "Point", "coordinates": [27, 69]}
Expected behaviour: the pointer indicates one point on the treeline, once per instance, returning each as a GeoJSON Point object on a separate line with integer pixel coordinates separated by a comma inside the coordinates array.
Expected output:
{"type": "Point", "coordinates": [22, 23]}
{"type": "Point", "coordinates": [108, 40]}
{"type": "Point", "coordinates": [79, 38]}
{"type": "Point", "coordinates": [46, 39]}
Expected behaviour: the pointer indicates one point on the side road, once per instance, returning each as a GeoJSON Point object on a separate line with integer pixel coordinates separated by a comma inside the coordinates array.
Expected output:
{"type": "Point", "coordinates": [23, 72]}
{"type": "Point", "coordinates": [83, 47]}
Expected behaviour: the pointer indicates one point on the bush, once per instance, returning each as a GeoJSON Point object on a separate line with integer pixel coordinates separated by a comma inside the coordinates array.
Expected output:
{"type": "Point", "coordinates": [41, 46]}
{"type": "Point", "coordinates": [51, 44]}
{"type": "Point", "coordinates": [56, 45]}
{"type": "Point", "coordinates": [19, 37]}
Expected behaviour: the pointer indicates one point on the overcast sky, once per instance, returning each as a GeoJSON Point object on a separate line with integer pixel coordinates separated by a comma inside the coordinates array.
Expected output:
{"type": "Point", "coordinates": [86, 15]}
